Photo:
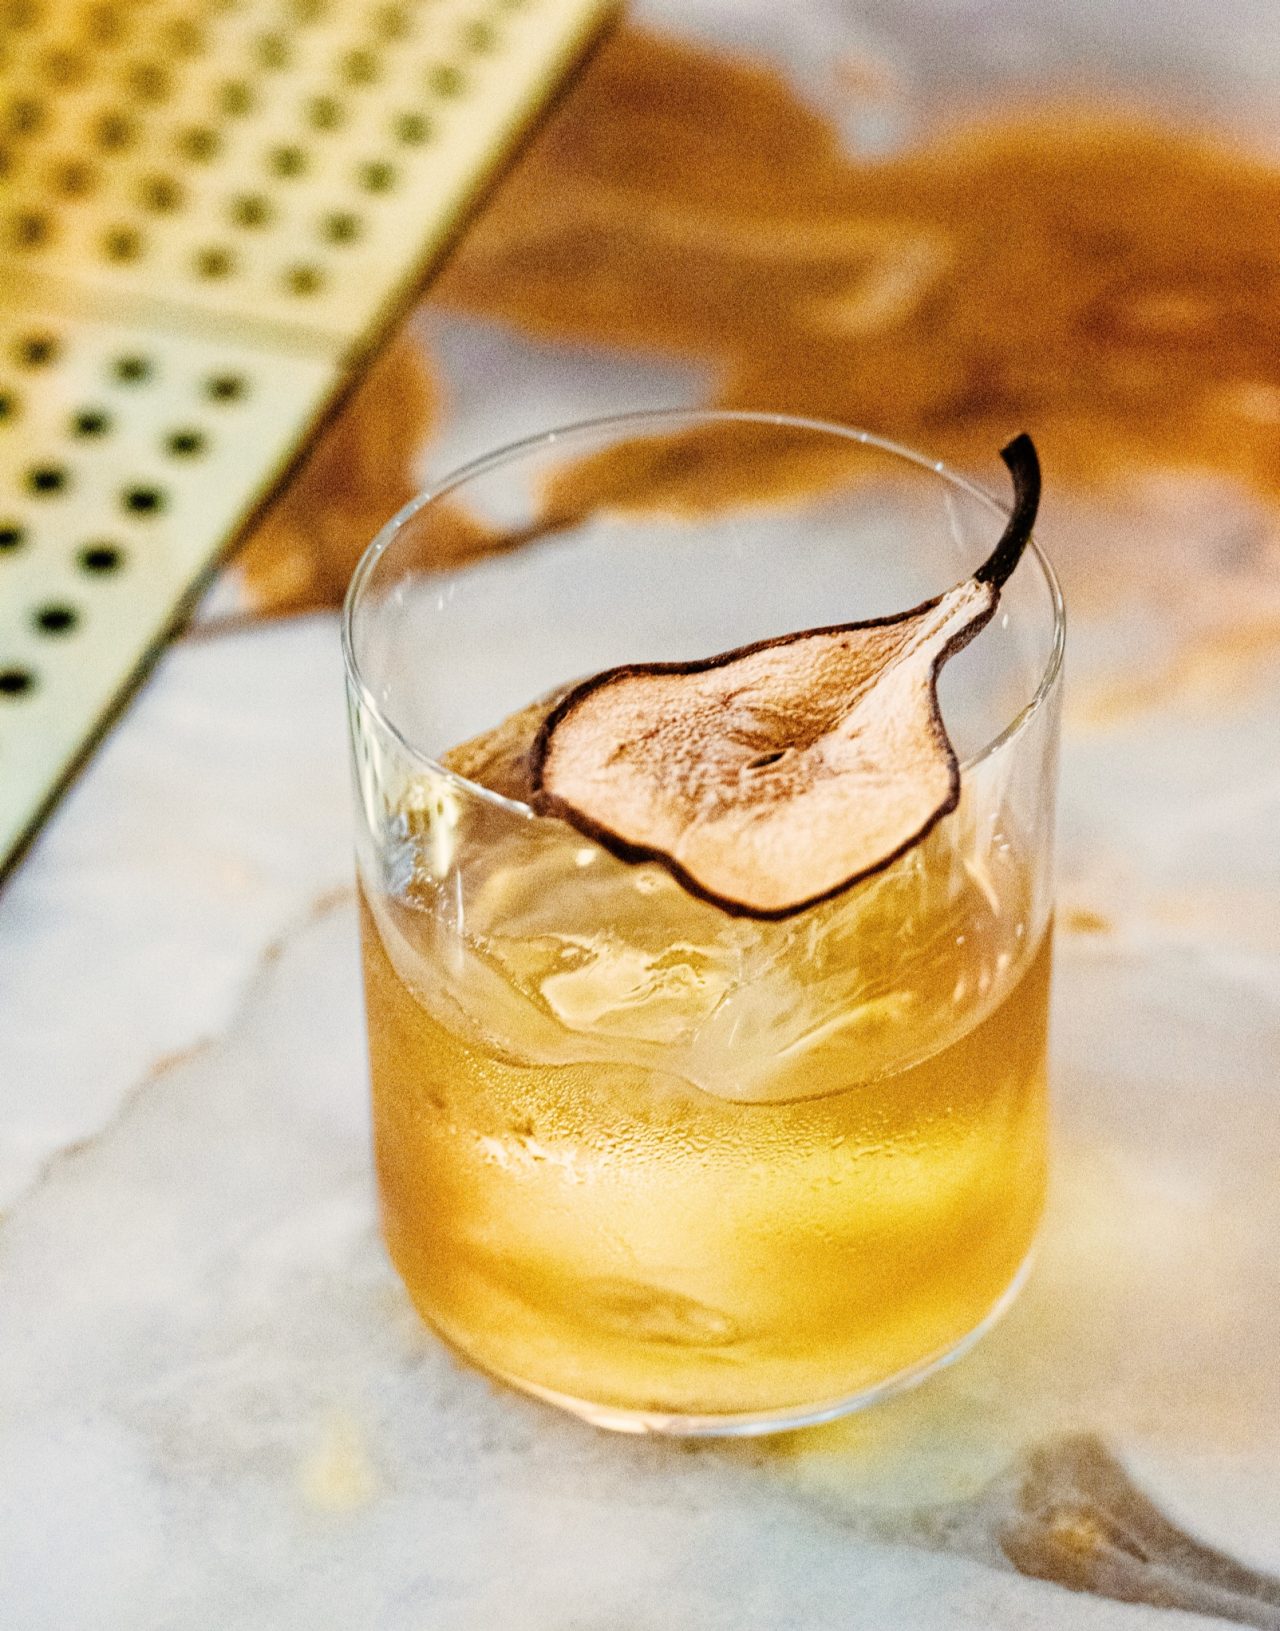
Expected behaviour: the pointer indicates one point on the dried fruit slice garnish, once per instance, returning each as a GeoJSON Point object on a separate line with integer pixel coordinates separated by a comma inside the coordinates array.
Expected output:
{"type": "Point", "coordinates": [771, 777]}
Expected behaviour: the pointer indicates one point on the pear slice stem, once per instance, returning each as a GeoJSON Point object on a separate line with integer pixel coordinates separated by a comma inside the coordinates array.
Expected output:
{"type": "Point", "coordinates": [1023, 465]}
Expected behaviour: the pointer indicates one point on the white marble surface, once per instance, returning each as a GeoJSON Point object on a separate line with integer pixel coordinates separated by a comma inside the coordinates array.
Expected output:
{"type": "Point", "coordinates": [216, 1407]}
{"type": "Point", "coordinates": [207, 824]}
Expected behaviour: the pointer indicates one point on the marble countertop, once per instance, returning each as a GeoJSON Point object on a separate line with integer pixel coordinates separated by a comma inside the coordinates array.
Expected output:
{"type": "Point", "coordinates": [217, 1409]}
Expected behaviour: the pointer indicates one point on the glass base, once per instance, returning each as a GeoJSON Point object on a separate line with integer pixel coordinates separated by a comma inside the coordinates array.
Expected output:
{"type": "Point", "coordinates": [749, 1424]}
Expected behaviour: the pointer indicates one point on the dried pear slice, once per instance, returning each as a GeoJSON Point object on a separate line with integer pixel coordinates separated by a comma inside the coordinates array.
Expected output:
{"type": "Point", "coordinates": [771, 777]}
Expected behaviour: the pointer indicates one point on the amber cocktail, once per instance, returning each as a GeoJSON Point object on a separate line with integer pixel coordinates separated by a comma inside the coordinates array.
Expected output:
{"type": "Point", "coordinates": [669, 1167]}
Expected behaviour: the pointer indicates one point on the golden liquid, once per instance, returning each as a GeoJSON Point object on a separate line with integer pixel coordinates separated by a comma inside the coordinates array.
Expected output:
{"type": "Point", "coordinates": [601, 1227]}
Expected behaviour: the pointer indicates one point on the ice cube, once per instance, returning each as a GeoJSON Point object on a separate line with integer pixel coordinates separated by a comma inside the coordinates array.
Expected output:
{"type": "Point", "coordinates": [618, 989]}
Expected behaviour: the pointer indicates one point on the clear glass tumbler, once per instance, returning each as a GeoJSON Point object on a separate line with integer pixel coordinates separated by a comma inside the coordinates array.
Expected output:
{"type": "Point", "coordinates": [671, 1169]}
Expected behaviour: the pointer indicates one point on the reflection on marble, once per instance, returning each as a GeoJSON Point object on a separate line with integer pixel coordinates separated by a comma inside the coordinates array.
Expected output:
{"type": "Point", "coordinates": [1095, 271]}
{"type": "Point", "coordinates": [216, 1407]}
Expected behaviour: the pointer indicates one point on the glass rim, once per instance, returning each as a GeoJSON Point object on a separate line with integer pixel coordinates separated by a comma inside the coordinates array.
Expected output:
{"type": "Point", "coordinates": [650, 417]}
